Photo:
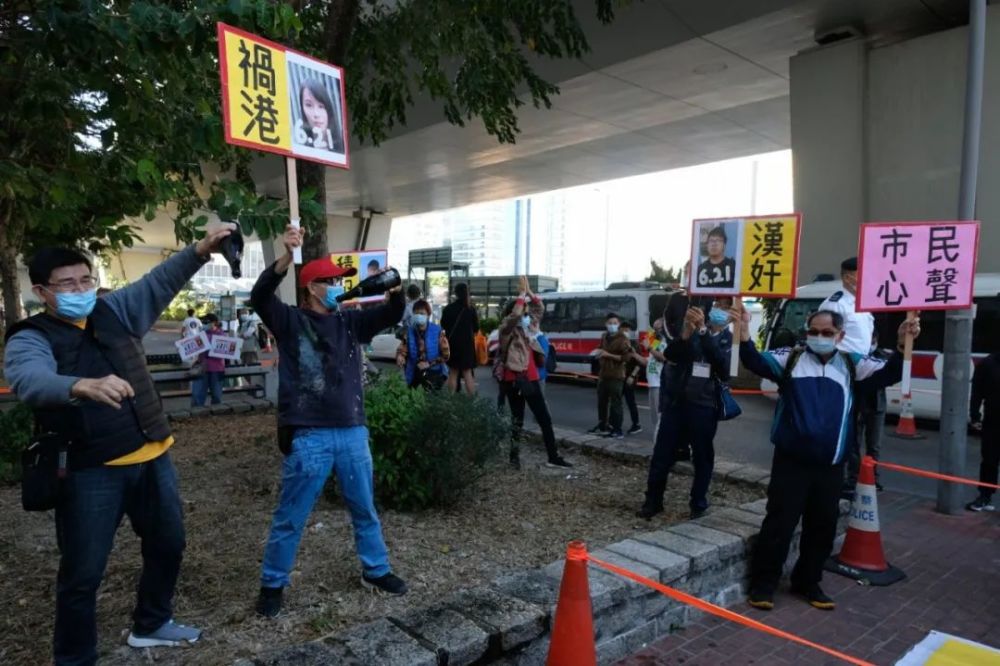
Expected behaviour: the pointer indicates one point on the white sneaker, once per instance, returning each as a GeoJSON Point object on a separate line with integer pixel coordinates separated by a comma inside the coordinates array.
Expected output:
{"type": "Point", "coordinates": [170, 634]}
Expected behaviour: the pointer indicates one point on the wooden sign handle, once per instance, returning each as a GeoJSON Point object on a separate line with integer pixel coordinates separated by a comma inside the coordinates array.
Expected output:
{"type": "Point", "coordinates": [908, 356]}
{"type": "Point", "coordinates": [293, 202]}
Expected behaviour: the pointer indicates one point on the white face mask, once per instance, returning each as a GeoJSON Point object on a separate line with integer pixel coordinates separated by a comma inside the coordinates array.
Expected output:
{"type": "Point", "coordinates": [613, 328]}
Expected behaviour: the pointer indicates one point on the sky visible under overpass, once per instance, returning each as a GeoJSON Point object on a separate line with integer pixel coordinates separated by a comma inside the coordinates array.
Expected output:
{"type": "Point", "coordinates": [671, 83]}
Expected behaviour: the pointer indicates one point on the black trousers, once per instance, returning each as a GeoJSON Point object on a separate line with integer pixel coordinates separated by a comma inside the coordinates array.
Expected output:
{"type": "Point", "coordinates": [628, 392]}
{"type": "Point", "coordinates": [810, 491]}
{"type": "Point", "coordinates": [869, 425]}
{"type": "Point", "coordinates": [990, 462]}
{"type": "Point", "coordinates": [531, 395]}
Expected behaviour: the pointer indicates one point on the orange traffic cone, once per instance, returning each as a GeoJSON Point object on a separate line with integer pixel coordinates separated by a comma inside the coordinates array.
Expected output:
{"type": "Point", "coordinates": [861, 557]}
{"type": "Point", "coordinates": [906, 427]}
{"type": "Point", "coordinates": [572, 641]}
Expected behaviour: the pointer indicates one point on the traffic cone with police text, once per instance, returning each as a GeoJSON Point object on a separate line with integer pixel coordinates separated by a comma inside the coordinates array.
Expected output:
{"type": "Point", "coordinates": [572, 641]}
{"type": "Point", "coordinates": [861, 557]}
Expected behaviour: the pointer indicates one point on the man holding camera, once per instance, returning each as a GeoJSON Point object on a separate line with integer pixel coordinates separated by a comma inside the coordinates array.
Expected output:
{"type": "Point", "coordinates": [321, 415]}
{"type": "Point", "coordinates": [81, 367]}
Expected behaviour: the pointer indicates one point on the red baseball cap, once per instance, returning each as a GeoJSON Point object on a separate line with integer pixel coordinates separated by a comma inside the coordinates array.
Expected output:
{"type": "Point", "coordinates": [318, 269]}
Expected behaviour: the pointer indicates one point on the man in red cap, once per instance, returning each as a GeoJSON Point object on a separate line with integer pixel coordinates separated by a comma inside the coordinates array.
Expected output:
{"type": "Point", "coordinates": [321, 415]}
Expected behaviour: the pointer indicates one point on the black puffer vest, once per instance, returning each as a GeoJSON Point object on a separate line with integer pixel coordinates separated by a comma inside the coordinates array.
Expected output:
{"type": "Point", "coordinates": [99, 433]}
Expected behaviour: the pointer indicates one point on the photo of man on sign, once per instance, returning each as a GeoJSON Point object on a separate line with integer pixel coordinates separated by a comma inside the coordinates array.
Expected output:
{"type": "Point", "coordinates": [717, 250]}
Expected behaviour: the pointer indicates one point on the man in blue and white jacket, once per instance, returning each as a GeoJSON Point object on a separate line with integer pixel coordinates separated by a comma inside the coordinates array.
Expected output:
{"type": "Point", "coordinates": [812, 433]}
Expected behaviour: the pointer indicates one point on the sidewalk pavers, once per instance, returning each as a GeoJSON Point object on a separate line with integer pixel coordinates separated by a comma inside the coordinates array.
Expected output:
{"type": "Point", "coordinates": [953, 585]}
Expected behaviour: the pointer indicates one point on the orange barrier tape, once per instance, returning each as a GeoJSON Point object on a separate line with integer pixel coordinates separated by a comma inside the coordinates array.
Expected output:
{"type": "Point", "coordinates": [935, 475]}
{"type": "Point", "coordinates": [703, 605]}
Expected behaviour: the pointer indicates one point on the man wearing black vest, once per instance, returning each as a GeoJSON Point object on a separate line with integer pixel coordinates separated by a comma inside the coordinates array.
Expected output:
{"type": "Point", "coordinates": [81, 367]}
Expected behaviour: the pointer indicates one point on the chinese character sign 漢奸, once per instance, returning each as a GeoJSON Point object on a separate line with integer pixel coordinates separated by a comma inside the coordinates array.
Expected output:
{"type": "Point", "coordinates": [281, 101]}
{"type": "Point", "coordinates": [751, 256]}
{"type": "Point", "coordinates": [917, 265]}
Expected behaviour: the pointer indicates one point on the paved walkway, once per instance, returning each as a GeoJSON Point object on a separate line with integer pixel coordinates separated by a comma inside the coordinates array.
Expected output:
{"type": "Point", "coordinates": [953, 585]}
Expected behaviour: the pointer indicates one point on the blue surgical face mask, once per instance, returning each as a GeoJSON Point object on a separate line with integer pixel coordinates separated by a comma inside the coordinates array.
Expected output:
{"type": "Point", "coordinates": [419, 320]}
{"type": "Point", "coordinates": [717, 317]}
{"type": "Point", "coordinates": [330, 298]}
{"type": "Point", "coordinates": [821, 345]}
{"type": "Point", "coordinates": [613, 328]}
{"type": "Point", "coordinates": [525, 321]}
{"type": "Point", "coordinates": [76, 305]}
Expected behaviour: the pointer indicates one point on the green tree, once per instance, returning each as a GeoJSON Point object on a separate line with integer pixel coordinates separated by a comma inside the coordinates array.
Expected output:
{"type": "Point", "coordinates": [658, 273]}
{"type": "Point", "coordinates": [111, 108]}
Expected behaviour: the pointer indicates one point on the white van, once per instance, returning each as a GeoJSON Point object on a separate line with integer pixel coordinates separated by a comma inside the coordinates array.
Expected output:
{"type": "Point", "coordinates": [788, 328]}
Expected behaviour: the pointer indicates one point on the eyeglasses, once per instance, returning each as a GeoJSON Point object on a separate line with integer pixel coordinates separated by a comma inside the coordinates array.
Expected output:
{"type": "Point", "coordinates": [67, 286]}
{"type": "Point", "coordinates": [825, 333]}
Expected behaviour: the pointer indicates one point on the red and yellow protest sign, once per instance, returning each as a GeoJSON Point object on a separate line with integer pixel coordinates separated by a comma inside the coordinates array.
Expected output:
{"type": "Point", "coordinates": [755, 256]}
{"type": "Point", "coordinates": [281, 101]}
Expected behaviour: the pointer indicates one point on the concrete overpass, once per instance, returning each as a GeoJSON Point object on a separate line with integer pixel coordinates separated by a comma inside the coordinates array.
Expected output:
{"type": "Point", "coordinates": [868, 95]}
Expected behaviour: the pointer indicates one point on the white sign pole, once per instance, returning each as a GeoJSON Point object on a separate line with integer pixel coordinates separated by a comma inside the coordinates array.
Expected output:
{"type": "Point", "coordinates": [293, 203]}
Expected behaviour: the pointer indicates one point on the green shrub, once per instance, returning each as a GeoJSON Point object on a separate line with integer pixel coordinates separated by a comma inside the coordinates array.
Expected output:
{"type": "Point", "coordinates": [15, 434]}
{"type": "Point", "coordinates": [428, 448]}
{"type": "Point", "coordinates": [489, 324]}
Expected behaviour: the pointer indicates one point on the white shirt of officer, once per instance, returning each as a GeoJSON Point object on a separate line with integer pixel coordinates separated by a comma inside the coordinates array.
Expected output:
{"type": "Point", "coordinates": [858, 326]}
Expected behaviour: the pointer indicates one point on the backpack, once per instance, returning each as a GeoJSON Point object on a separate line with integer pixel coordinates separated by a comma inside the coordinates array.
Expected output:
{"type": "Point", "coordinates": [551, 361]}
{"type": "Point", "coordinates": [797, 352]}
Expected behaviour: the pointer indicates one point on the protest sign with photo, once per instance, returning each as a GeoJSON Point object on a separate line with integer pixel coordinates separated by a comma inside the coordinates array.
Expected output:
{"type": "Point", "coordinates": [191, 346]}
{"type": "Point", "coordinates": [368, 263]}
{"type": "Point", "coordinates": [750, 256]}
{"type": "Point", "coordinates": [911, 266]}
{"type": "Point", "coordinates": [224, 346]}
{"type": "Point", "coordinates": [281, 101]}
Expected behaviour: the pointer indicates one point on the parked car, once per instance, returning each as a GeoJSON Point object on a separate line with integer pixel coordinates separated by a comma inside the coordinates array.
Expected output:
{"type": "Point", "coordinates": [384, 345]}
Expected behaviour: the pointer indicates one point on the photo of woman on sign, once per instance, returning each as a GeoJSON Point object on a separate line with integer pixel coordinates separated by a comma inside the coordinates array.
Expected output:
{"type": "Point", "coordinates": [316, 112]}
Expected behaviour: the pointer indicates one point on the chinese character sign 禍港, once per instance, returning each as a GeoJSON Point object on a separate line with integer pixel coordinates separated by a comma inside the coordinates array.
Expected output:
{"type": "Point", "coordinates": [281, 101]}
{"type": "Point", "coordinates": [753, 256]}
{"type": "Point", "coordinates": [917, 265]}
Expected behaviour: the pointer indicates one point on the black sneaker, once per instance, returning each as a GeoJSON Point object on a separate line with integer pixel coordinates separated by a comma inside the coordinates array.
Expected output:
{"type": "Point", "coordinates": [698, 513]}
{"type": "Point", "coordinates": [559, 462]}
{"type": "Point", "coordinates": [879, 487]}
{"type": "Point", "coordinates": [599, 429]}
{"type": "Point", "coordinates": [981, 503]}
{"type": "Point", "coordinates": [389, 583]}
{"type": "Point", "coordinates": [614, 434]}
{"type": "Point", "coordinates": [846, 494]}
{"type": "Point", "coordinates": [635, 429]}
{"type": "Point", "coordinates": [647, 511]}
{"type": "Point", "coordinates": [815, 596]}
{"type": "Point", "coordinates": [269, 602]}
{"type": "Point", "coordinates": [761, 599]}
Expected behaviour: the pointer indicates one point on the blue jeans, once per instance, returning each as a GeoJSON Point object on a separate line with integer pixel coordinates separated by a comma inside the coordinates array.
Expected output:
{"type": "Point", "coordinates": [315, 452]}
{"type": "Point", "coordinates": [681, 423]}
{"type": "Point", "coordinates": [200, 387]}
{"type": "Point", "coordinates": [87, 518]}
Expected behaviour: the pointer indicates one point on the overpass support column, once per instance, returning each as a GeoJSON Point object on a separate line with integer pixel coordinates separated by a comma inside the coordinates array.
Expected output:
{"type": "Point", "coordinates": [829, 150]}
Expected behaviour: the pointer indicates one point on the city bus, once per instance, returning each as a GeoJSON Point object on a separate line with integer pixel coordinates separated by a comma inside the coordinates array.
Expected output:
{"type": "Point", "coordinates": [788, 329]}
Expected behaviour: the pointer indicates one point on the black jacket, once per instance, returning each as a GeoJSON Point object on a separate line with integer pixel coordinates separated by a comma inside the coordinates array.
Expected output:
{"type": "Point", "coordinates": [320, 364]}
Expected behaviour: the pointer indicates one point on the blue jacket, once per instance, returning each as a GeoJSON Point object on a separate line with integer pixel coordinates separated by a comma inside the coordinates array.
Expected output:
{"type": "Point", "coordinates": [319, 374]}
{"type": "Point", "coordinates": [543, 342]}
{"type": "Point", "coordinates": [432, 338]}
{"type": "Point", "coordinates": [814, 417]}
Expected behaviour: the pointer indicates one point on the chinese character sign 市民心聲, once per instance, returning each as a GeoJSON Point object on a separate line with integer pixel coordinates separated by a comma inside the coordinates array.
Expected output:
{"type": "Point", "coordinates": [917, 266]}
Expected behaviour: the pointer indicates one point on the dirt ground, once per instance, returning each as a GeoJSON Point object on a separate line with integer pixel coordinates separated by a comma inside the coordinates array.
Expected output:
{"type": "Point", "coordinates": [229, 474]}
